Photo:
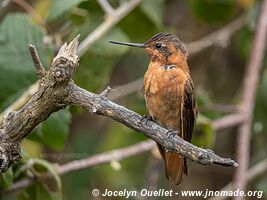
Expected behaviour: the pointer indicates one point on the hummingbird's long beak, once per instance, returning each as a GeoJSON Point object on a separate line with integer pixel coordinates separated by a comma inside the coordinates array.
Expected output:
{"type": "Point", "coordinates": [129, 44]}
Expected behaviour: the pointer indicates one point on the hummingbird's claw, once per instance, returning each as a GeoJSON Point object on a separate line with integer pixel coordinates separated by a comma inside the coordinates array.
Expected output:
{"type": "Point", "coordinates": [171, 134]}
{"type": "Point", "coordinates": [145, 118]}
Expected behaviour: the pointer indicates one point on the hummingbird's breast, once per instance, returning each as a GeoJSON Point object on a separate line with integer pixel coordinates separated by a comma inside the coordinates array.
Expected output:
{"type": "Point", "coordinates": [163, 90]}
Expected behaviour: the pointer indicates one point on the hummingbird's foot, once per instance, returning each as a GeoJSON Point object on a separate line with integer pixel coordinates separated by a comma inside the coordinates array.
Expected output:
{"type": "Point", "coordinates": [145, 118]}
{"type": "Point", "coordinates": [171, 134]}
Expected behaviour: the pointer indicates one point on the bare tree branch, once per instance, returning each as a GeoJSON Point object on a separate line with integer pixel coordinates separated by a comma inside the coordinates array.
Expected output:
{"type": "Point", "coordinates": [39, 68]}
{"type": "Point", "coordinates": [4, 4]}
{"type": "Point", "coordinates": [123, 153]}
{"type": "Point", "coordinates": [109, 156]}
{"type": "Point", "coordinates": [4, 7]}
{"type": "Point", "coordinates": [110, 21]}
{"type": "Point", "coordinates": [228, 121]}
{"type": "Point", "coordinates": [220, 37]}
{"type": "Point", "coordinates": [252, 174]}
{"type": "Point", "coordinates": [58, 90]}
{"type": "Point", "coordinates": [222, 108]}
{"type": "Point", "coordinates": [153, 171]}
{"type": "Point", "coordinates": [48, 99]}
{"type": "Point", "coordinates": [102, 106]}
{"type": "Point", "coordinates": [106, 7]}
{"type": "Point", "coordinates": [105, 157]}
{"type": "Point", "coordinates": [126, 89]}
{"type": "Point", "coordinates": [248, 99]}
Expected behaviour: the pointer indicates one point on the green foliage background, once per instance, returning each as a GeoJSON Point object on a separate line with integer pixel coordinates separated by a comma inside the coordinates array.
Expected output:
{"type": "Point", "coordinates": [217, 73]}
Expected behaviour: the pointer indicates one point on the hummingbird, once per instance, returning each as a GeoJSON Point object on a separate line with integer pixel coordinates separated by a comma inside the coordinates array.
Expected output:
{"type": "Point", "coordinates": [169, 95]}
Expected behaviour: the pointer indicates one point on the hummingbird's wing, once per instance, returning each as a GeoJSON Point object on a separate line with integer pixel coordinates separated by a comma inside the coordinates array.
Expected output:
{"type": "Point", "coordinates": [188, 114]}
{"type": "Point", "coordinates": [189, 111]}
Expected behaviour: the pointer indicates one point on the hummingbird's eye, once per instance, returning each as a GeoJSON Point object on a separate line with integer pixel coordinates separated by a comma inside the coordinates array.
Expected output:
{"type": "Point", "coordinates": [158, 45]}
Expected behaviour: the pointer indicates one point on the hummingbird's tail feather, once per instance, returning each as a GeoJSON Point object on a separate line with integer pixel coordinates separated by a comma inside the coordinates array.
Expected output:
{"type": "Point", "coordinates": [175, 166]}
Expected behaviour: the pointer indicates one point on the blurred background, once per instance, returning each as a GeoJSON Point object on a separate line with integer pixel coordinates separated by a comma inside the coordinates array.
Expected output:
{"type": "Point", "coordinates": [218, 35]}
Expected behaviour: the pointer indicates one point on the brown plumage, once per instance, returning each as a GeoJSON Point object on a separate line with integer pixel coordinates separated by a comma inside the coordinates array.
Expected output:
{"type": "Point", "coordinates": [169, 94]}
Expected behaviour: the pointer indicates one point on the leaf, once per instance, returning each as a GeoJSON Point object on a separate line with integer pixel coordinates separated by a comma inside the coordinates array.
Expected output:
{"type": "Point", "coordinates": [154, 11]}
{"type": "Point", "coordinates": [94, 73]}
{"type": "Point", "coordinates": [98, 62]}
{"type": "Point", "coordinates": [17, 69]}
{"type": "Point", "coordinates": [38, 191]}
{"type": "Point", "coordinates": [204, 134]}
{"type": "Point", "coordinates": [243, 42]}
{"type": "Point", "coordinates": [204, 100]}
{"type": "Point", "coordinates": [54, 131]}
{"type": "Point", "coordinates": [138, 26]}
{"type": "Point", "coordinates": [213, 11]}
{"type": "Point", "coordinates": [60, 7]}
{"type": "Point", "coordinates": [41, 191]}
{"type": "Point", "coordinates": [7, 178]}
{"type": "Point", "coordinates": [50, 168]}
{"type": "Point", "coordinates": [104, 48]}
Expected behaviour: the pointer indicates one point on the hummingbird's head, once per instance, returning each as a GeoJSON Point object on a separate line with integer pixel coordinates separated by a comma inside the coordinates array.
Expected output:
{"type": "Point", "coordinates": [164, 48]}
